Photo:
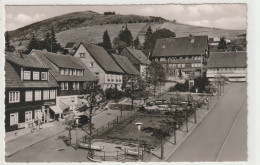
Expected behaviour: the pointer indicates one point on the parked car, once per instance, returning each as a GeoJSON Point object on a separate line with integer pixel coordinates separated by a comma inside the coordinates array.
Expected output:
{"type": "Point", "coordinates": [83, 120]}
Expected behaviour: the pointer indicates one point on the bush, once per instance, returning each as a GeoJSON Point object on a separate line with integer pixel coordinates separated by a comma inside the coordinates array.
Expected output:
{"type": "Point", "coordinates": [201, 84]}
{"type": "Point", "coordinates": [180, 87]}
{"type": "Point", "coordinates": [113, 94]}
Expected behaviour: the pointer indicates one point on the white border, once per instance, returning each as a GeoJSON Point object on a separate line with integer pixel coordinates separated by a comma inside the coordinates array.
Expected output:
{"type": "Point", "coordinates": [253, 39]}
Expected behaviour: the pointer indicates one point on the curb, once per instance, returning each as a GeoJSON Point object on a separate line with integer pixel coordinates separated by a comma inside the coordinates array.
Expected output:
{"type": "Point", "coordinates": [10, 154]}
{"type": "Point", "coordinates": [198, 123]}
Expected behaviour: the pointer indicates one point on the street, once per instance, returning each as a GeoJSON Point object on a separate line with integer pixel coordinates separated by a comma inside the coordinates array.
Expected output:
{"type": "Point", "coordinates": [221, 136]}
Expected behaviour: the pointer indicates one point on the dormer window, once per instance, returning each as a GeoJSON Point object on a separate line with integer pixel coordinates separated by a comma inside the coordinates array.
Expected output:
{"type": "Point", "coordinates": [27, 75]}
{"type": "Point", "coordinates": [36, 75]}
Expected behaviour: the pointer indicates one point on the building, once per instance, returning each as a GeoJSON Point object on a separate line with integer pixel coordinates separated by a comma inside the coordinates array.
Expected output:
{"type": "Point", "coordinates": [138, 59]}
{"type": "Point", "coordinates": [71, 47]}
{"type": "Point", "coordinates": [214, 41]}
{"type": "Point", "coordinates": [182, 56]}
{"type": "Point", "coordinates": [229, 64]}
{"type": "Point", "coordinates": [70, 74]}
{"type": "Point", "coordinates": [29, 91]}
{"type": "Point", "coordinates": [101, 64]}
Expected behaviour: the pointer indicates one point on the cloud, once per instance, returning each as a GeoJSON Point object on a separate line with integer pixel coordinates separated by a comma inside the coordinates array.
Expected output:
{"type": "Point", "coordinates": [22, 18]}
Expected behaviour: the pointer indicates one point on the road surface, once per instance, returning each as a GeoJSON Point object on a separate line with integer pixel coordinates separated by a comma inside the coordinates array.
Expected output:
{"type": "Point", "coordinates": [221, 136]}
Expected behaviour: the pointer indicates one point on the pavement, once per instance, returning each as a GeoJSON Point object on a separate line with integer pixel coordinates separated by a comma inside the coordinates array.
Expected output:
{"type": "Point", "coordinates": [214, 137]}
{"type": "Point", "coordinates": [45, 145]}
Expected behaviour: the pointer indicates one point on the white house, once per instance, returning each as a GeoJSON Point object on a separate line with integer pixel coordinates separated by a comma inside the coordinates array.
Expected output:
{"type": "Point", "coordinates": [101, 64]}
{"type": "Point", "coordinates": [229, 64]}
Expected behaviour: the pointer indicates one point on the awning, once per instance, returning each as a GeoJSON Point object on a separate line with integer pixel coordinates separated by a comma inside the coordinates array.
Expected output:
{"type": "Point", "coordinates": [56, 109]}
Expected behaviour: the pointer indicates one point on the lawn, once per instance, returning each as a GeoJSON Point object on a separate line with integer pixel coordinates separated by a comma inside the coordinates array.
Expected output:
{"type": "Point", "coordinates": [95, 33]}
{"type": "Point", "coordinates": [128, 130]}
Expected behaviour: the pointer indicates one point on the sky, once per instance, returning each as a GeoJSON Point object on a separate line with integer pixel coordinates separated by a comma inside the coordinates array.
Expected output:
{"type": "Point", "coordinates": [225, 16]}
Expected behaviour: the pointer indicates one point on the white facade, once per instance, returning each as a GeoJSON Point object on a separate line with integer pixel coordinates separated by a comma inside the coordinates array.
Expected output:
{"type": "Point", "coordinates": [233, 74]}
{"type": "Point", "coordinates": [97, 70]}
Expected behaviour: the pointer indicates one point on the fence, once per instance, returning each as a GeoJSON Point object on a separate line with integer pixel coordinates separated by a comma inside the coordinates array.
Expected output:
{"type": "Point", "coordinates": [110, 125]}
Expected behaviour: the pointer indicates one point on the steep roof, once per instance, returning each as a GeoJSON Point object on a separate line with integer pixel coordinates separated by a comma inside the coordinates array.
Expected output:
{"type": "Point", "coordinates": [13, 80]}
{"type": "Point", "coordinates": [70, 45]}
{"type": "Point", "coordinates": [227, 60]}
{"type": "Point", "coordinates": [125, 64]}
{"type": "Point", "coordinates": [139, 55]}
{"type": "Point", "coordinates": [103, 59]}
{"type": "Point", "coordinates": [23, 60]}
{"type": "Point", "coordinates": [64, 61]}
{"type": "Point", "coordinates": [195, 45]}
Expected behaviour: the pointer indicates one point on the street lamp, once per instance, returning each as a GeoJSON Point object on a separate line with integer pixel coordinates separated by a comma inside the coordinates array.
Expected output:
{"type": "Point", "coordinates": [77, 123]}
{"type": "Point", "coordinates": [139, 129]}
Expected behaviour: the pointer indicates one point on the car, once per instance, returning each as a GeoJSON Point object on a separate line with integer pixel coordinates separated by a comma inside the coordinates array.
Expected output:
{"type": "Point", "coordinates": [83, 120]}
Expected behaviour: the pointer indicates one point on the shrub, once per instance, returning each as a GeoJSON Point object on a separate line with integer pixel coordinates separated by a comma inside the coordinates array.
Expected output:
{"type": "Point", "coordinates": [113, 94]}
{"type": "Point", "coordinates": [181, 87]}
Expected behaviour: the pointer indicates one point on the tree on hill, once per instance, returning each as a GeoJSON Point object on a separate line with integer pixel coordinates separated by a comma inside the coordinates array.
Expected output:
{"type": "Point", "coordinates": [106, 41]}
{"type": "Point", "coordinates": [33, 44]}
{"type": "Point", "coordinates": [155, 74]}
{"type": "Point", "coordinates": [47, 42]}
{"type": "Point", "coordinates": [136, 42]}
{"type": "Point", "coordinates": [147, 40]}
{"type": "Point", "coordinates": [8, 46]}
{"type": "Point", "coordinates": [118, 44]}
{"type": "Point", "coordinates": [126, 36]}
{"type": "Point", "coordinates": [222, 44]}
{"type": "Point", "coordinates": [55, 46]}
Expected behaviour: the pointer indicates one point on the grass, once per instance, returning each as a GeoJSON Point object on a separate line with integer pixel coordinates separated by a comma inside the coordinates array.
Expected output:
{"type": "Point", "coordinates": [95, 33]}
{"type": "Point", "coordinates": [129, 131]}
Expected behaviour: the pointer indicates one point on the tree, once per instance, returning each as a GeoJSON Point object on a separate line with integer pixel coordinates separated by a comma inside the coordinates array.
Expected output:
{"type": "Point", "coordinates": [106, 41]}
{"type": "Point", "coordinates": [47, 42]}
{"type": "Point", "coordinates": [147, 40]}
{"type": "Point", "coordinates": [54, 45]}
{"type": "Point", "coordinates": [94, 99]}
{"type": "Point", "coordinates": [118, 44]}
{"type": "Point", "coordinates": [8, 46]}
{"type": "Point", "coordinates": [126, 36]}
{"type": "Point", "coordinates": [33, 44]}
{"type": "Point", "coordinates": [136, 42]}
{"type": "Point", "coordinates": [201, 83]}
{"type": "Point", "coordinates": [136, 88]}
{"type": "Point", "coordinates": [161, 33]}
{"type": "Point", "coordinates": [222, 44]}
{"type": "Point", "coordinates": [155, 74]}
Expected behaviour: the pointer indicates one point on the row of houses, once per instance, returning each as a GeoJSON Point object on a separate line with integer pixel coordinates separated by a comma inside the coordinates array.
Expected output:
{"type": "Point", "coordinates": [185, 55]}
{"type": "Point", "coordinates": [42, 86]}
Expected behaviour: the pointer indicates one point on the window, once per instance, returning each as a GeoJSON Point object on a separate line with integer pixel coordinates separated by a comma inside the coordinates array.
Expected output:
{"type": "Point", "coordinates": [37, 115]}
{"type": "Point", "coordinates": [91, 64]}
{"type": "Point", "coordinates": [37, 95]}
{"type": "Point", "coordinates": [183, 65]}
{"type": "Point", "coordinates": [28, 116]}
{"type": "Point", "coordinates": [66, 86]}
{"type": "Point", "coordinates": [78, 72]}
{"type": "Point", "coordinates": [108, 77]}
{"type": "Point", "coordinates": [70, 71]}
{"type": "Point", "coordinates": [62, 86]}
{"type": "Point", "coordinates": [174, 65]}
{"type": "Point", "coordinates": [52, 94]}
{"type": "Point", "coordinates": [74, 85]}
{"type": "Point", "coordinates": [97, 75]}
{"type": "Point", "coordinates": [44, 76]}
{"type": "Point", "coordinates": [116, 78]}
{"type": "Point", "coordinates": [82, 55]}
{"type": "Point", "coordinates": [179, 65]}
{"type": "Point", "coordinates": [62, 71]}
{"type": "Point", "coordinates": [27, 75]}
{"type": "Point", "coordinates": [36, 75]}
{"type": "Point", "coordinates": [77, 87]}
{"type": "Point", "coordinates": [14, 97]}
{"type": "Point", "coordinates": [81, 72]}
{"type": "Point", "coordinates": [156, 59]}
{"type": "Point", "coordinates": [112, 78]}
{"type": "Point", "coordinates": [28, 96]}
{"type": "Point", "coordinates": [66, 71]}
{"type": "Point", "coordinates": [13, 119]}
{"type": "Point", "coordinates": [74, 72]}
{"type": "Point", "coordinates": [46, 95]}
{"type": "Point", "coordinates": [162, 59]}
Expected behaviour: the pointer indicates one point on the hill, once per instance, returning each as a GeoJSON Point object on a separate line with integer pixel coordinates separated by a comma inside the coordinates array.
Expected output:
{"type": "Point", "coordinates": [89, 26]}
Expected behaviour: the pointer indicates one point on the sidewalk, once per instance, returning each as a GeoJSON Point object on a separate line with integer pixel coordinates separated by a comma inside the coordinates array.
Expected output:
{"type": "Point", "coordinates": [25, 138]}
{"type": "Point", "coordinates": [14, 145]}
{"type": "Point", "coordinates": [182, 134]}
